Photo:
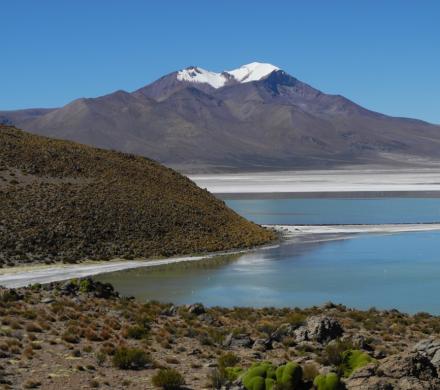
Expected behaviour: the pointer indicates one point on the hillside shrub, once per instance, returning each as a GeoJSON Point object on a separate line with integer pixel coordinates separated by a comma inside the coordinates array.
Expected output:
{"type": "Point", "coordinates": [352, 360]}
{"type": "Point", "coordinates": [265, 376]}
{"type": "Point", "coordinates": [168, 379]}
{"type": "Point", "coordinates": [130, 358]}
{"type": "Point", "coordinates": [330, 381]}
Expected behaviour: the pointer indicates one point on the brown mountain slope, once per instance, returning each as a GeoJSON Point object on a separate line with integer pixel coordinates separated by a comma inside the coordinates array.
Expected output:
{"type": "Point", "coordinates": [276, 122]}
{"type": "Point", "coordinates": [65, 201]}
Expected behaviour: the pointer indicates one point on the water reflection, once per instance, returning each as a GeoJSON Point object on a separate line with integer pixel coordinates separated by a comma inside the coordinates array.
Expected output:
{"type": "Point", "coordinates": [390, 271]}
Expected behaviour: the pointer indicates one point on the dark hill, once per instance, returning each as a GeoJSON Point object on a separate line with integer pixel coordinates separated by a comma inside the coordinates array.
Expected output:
{"type": "Point", "coordinates": [64, 201]}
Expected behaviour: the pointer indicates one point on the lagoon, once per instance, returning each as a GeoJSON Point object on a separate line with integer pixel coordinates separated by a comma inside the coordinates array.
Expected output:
{"type": "Point", "coordinates": [386, 271]}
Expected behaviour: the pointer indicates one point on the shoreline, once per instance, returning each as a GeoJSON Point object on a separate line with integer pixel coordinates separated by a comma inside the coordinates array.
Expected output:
{"type": "Point", "coordinates": [26, 275]}
{"type": "Point", "coordinates": [22, 276]}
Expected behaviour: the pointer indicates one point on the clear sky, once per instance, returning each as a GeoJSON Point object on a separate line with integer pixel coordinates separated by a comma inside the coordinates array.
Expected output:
{"type": "Point", "coordinates": [384, 55]}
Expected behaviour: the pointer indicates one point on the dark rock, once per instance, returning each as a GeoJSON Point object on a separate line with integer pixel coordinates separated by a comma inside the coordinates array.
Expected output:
{"type": "Point", "coordinates": [88, 286]}
{"type": "Point", "coordinates": [379, 354]}
{"type": "Point", "coordinates": [170, 311]}
{"type": "Point", "coordinates": [409, 364]}
{"type": "Point", "coordinates": [366, 378]}
{"type": "Point", "coordinates": [431, 349]}
{"type": "Point", "coordinates": [319, 328]}
{"type": "Point", "coordinates": [360, 342]}
{"type": "Point", "coordinates": [10, 295]}
{"type": "Point", "coordinates": [262, 345]}
{"type": "Point", "coordinates": [238, 341]}
{"type": "Point", "coordinates": [196, 309]}
{"type": "Point", "coordinates": [209, 319]}
{"type": "Point", "coordinates": [284, 330]}
{"type": "Point", "coordinates": [404, 371]}
{"type": "Point", "coordinates": [328, 305]}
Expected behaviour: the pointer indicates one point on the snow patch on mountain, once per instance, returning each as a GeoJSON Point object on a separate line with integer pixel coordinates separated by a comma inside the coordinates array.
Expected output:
{"type": "Point", "coordinates": [199, 75]}
{"type": "Point", "coordinates": [252, 72]}
{"type": "Point", "coordinates": [246, 73]}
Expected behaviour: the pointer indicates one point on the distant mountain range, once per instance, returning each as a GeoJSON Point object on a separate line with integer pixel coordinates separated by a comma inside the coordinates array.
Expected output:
{"type": "Point", "coordinates": [256, 117]}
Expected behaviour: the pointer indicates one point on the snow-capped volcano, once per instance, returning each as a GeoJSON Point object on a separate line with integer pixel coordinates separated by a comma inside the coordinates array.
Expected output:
{"type": "Point", "coordinates": [255, 117]}
{"type": "Point", "coordinates": [251, 72]}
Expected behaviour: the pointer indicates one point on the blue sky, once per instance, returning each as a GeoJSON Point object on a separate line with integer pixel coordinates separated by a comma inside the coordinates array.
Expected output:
{"type": "Point", "coordinates": [384, 55]}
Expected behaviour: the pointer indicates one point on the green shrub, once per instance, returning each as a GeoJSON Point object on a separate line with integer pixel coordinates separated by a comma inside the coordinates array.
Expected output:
{"type": "Point", "coordinates": [352, 360]}
{"type": "Point", "coordinates": [255, 376]}
{"type": "Point", "coordinates": [332, 354]}
{"type": "Point", "coordinates": [136, 332]}
{"type": "Point", "coordinates": [232, 373]}
{"type": "Point", "coordinates": [330, 381]}
{"type": "Point", "coordinates": [85, 285]}
{"type": "Point", "coordinates": [228, 360]}
{"type": "Point", "coordinates": [256, 383]}
{"type": "Point", "coordinates": [168, 379]}
{"type": "Point", "coordinates": [289, 376]}
{"type": "Point", "coordinates": [130, 358]}
{"type": "Point", "coordinates": [265, 376]}
{"type": "Point", "coordinates": [296, 319]}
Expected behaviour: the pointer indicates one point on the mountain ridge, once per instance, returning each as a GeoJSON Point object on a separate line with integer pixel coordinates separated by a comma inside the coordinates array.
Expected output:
{"type": "Point", "coordinates": [275, 122]}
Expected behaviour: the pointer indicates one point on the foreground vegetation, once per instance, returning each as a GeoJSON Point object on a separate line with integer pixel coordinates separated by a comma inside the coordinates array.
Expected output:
{"type": "Point", "coordinates": [62, 201]}
{"type": "Point", "coordinates": [81, 334]}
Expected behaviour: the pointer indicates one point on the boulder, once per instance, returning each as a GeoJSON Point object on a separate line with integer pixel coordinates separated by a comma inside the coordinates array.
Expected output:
{"type": "Point", "coordinates": [262, 345]}
{"type": "Point", "coordinates": [412, 364]}
{"type": "Point", "coordinates": [319, 328]}
{"type": "Point", "coordinates": [238, 341]}
{"type": "Point", "coordinates": [284, 330]}
{"type": "Point", "coordinates": [366, 378]}
{"type": "Point", "coordinates": [404, 371]}
{"type": "Point", "coordinates": [169, 311]}
{"type": "Point", "coordinates": [196, 309]}
{"type": "Point", "coordinates": [431, 349]}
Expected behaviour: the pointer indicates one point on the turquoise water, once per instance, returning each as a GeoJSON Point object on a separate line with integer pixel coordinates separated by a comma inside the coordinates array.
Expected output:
{"type": "Point", "coordinates": [385, 271]}
{"type": "Point", "coordinates": [339, 211]}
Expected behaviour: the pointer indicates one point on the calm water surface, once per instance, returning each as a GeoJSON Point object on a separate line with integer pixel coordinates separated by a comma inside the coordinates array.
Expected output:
{"type": "Point", "coordinates": [386, 271]}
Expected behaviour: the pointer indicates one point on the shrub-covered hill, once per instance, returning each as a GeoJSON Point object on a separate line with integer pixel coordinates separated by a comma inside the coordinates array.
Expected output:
{"type": "Point", "coordinates": [65, 201]}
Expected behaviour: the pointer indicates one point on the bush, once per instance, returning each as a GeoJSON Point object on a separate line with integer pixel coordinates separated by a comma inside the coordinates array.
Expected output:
{"type": "Point", "coordinates": [136, 332]}
{"type": "Point", "coordinates": [352, 360]}
{"type": "Point", "coordinates": [130, 358]}
{"type": "Point", "coordinates": [232, 373]}
{"type": "Point", "coordinates": [228, 360]}
{"type": "Point", "coordinates": [289, 376]}
{"type": "Point", "coordinates": [332, 354]}
{"type": "Point", "coordinates": [330, 381]}
{"type": "Point", "coordinates": [259, 377]}
{"type": "Point", "coordinates": [310, 372]}
{"type": "Point", "coordinates": [71, 336]}
{"type": "Point", "coordinates": [264, 376]}
{"type": "Point", "coordinates": [168, 379]}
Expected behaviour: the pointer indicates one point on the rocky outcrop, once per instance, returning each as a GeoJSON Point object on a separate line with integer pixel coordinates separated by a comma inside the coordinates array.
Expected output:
{"type": "Point", "coordinates": [319, 328]}
{"type": "Point", "coordinates": [284, 330]}
{"type": "Point", "coordinates": [196, 309]}
{"type": "Point", "coordinates": [87, 286]}
{"type": "Point", "coordinates": [431, 349]}
{"type": "Point", "coordinates": [238, 341]}
{"type": "Point", "coordinates": [410, 370]}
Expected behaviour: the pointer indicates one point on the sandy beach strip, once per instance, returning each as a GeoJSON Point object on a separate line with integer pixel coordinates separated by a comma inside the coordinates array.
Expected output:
{"type": "Point", "coordinates": [365, 181]}
{"type": "Point", "coordinates": [22, 276]}
{"type": "Point", "coordinates": [301, 230]}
